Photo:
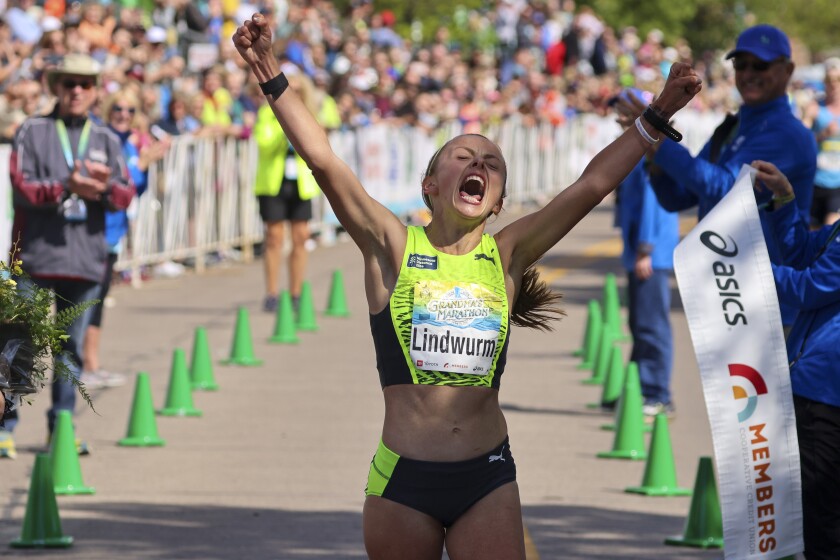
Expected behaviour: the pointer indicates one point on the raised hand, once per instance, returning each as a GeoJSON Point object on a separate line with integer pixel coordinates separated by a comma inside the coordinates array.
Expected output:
{"type": "Point", "coordinates": [770, 178]}
{"type": "Point", "coordinates": [628, 107]}
{"type": "Point", "coordinates": [253, 39]}
{"type": "Point", "coordinates": [682, 85]}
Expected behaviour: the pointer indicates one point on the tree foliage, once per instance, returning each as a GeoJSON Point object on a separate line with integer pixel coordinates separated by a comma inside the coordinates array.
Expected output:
{"type": "Point", "coordinates": [714, 24]}
{"type": "Point", "coordinates": [811, 22]}
{"type": "Point", "coordinates": [705, 24]}
{"type": "Point", "coordinates": [427, 15]}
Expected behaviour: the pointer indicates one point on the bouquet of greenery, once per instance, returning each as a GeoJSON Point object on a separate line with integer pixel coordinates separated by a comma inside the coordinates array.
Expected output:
{"type": "Point", "coordinates": [31, 333]}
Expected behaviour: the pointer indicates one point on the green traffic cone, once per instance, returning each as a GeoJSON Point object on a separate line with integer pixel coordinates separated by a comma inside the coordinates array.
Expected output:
{"type": "Point", "coordinates": [337, 304]}
{"type": "Point", "coordinates": [613, 381]}
{"type": "Point", "coordinates": [242, 349]}
{"type": "Point", "coordinates": [179, 401]}
{"type": "Point", "coordinates": [41, 523]}
{"type": "Point", "coordinates": [704, 525]}
{"type": "Point", "coordinates": [582, 350]}
{"type": "Point", "coordinates": [594, 328]}
{"type": "Point", "coordinates": [284, 326]}
{"type": "Point", "coordinates": [602, 358]}
{"type": "Point", "coordinates": [142, 427]}
{"type": "Point", "coordinates": [66, 470]}
{"type": "Point", "coordinates": [612, 308]}
{"type": "Point", "coordinates": [660, 478]}
{"type": "Point", "coordinates": [306, 310]}
{"type": "Point", "coordinates": [623, 375]}
{"type": "Point", "coordinates": [629, 441]}
{"type": "Point", "coordinates": [201, 368]}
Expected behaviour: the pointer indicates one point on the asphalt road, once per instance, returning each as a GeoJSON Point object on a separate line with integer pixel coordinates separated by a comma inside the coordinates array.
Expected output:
{"type": "Point", "coordinates": [276, 465]}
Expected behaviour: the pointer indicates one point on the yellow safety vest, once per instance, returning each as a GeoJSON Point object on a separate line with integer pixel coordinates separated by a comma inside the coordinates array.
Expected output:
{"type": "Point", "coordinates": [272, 148]}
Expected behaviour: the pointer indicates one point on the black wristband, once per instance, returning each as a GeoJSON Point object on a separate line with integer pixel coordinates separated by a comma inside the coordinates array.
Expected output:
{"type": "Point", "coordinates": [275, 86]}
{"type": "Point", "coordinates": [661, 124]}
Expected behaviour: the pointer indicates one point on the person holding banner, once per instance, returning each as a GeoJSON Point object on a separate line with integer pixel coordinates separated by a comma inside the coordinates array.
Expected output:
{"type": "Point", "coordinates": [811, 278]}
{"type": "Point", "coordinates": [441, 299]}
{"type": "Point", "coordinates": [764, 128]}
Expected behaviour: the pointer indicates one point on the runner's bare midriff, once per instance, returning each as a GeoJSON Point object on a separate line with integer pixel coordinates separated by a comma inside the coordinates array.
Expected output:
{"type": "Point", "coordinates": [432, 423]}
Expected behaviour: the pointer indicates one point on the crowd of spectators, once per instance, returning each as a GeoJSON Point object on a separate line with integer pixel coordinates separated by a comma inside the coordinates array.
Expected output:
{"type": "Point", "coordinates": [544, 60]}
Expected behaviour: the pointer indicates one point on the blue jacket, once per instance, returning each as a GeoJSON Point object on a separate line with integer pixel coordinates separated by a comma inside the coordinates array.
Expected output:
{"type": "Point", "coordinates": [828, 158]}
{"type": "Point", "coordinates": [645, 225]}
{"type": "Point", "coordinates": [769, 132]}
{"type": "Point", "coordinates": [812, 280]}
{"type": "Point", "coordinates": [116, 223]}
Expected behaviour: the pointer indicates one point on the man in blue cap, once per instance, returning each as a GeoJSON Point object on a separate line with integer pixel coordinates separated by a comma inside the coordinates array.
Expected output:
{"type": "Point", "coordinates": [764, 128]}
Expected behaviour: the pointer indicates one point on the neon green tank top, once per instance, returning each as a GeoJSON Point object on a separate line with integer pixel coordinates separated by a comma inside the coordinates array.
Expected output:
{"type": "Point", "coordinates": [448, 317]}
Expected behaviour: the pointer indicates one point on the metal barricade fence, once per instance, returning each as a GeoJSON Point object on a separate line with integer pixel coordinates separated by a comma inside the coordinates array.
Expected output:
{"type": "Point", "coordinates": [6, 215]}
{"type": "Point", "coordinates": [200, 200]}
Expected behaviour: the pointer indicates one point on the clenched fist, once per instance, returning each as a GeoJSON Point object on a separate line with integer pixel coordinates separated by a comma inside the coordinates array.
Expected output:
{"type": "Point", "coordinates": [682, 85]}
{"type": "Point", "coordinates": [253, 39]}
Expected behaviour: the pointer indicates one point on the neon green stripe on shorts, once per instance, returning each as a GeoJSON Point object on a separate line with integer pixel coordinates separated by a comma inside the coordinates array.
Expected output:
{"type": "Point", "coordinates": [381, 468]}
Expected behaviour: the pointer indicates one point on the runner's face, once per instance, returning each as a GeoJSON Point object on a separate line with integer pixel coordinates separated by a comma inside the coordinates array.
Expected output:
{"type": "Point", "coordinates": [470, 174]}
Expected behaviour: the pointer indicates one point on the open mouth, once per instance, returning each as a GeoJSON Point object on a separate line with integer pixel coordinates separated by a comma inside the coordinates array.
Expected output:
{"type": "Point", "coordinates": [472, 189]}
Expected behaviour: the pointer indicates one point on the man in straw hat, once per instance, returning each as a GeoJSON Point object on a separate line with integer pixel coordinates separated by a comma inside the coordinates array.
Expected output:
{"type": "Point", "coordinates": [66, 171]}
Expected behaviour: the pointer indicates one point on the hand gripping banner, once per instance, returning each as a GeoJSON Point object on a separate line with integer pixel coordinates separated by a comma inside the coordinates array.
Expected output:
{"type": "Point", "coordinates": [727, 289]}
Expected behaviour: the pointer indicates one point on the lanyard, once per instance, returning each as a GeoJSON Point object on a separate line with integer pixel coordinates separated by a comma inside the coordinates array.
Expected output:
{"type": "Point", "coordinates": [65, 141]}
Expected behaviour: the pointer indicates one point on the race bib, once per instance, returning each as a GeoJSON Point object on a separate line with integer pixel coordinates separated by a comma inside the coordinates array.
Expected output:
{"type": "Point", "coordinates": [455, 327]}
{"type": "Point", "coordinates": [829, 157]}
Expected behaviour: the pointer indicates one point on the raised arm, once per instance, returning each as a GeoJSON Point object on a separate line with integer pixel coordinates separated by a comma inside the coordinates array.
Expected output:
{"type": "Point", "coordinates": [797, 244]}
{"type": "Point", "coordinates": [373, 227]}
{"type": "Point", "coordinates": [528, 238]}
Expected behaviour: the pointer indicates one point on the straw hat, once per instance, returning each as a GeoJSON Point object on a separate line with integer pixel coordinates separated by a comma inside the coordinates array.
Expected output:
{"type": "Point", "coordinates": [73, 65]}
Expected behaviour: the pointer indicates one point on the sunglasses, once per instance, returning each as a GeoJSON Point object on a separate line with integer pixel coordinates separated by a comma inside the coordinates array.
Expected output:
{"type": "Point", "coordinates": [121, 109]}
{"type": "Point", "coordinates": [757, 65]}
{"type": "Point", "coordinates": [71, 84]}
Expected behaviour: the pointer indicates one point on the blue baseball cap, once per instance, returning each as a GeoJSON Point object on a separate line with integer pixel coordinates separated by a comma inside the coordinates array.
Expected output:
{"type": "Point", "coordinates": [764, 41]}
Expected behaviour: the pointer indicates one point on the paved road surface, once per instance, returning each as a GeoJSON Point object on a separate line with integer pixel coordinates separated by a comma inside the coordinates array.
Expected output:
{"type": "Point", "coordinates": [276, 466]}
